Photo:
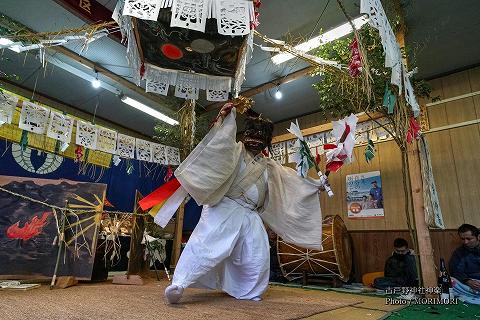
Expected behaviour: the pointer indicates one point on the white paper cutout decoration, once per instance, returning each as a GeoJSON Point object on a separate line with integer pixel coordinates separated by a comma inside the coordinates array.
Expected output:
{"type": "Point", "coordinates": [217, 95]}
{"type": "Point", "coordinates": [380, 132]}
{"type": "Point", "coordinates": [125, 146]}
{"type": "Point", "coordinates": [185, 92]}
{"type": "Point", "coordinates": [106, 140]}
{"type": "Point", "coordinates": [190, 14]}
{"type": "Point", "coordinates": [34, 118]}
{"type": "Point", "coordinates": [156, 87]}
{"type": "Point", "coordinates": [7, 107]}
{"type": "Point", "coordinates": [173, 156]}
{"type": "Point", "coordinates": [144, 150]}
{"type": "Point", "coordinates": [159, 154]}
{"type": "Point", "coordinates": [86, 135]}
{"type": "Point", "coordinates": [233, 17]}
{"type": "Point", "coordinates": [142, 9]}
{"type": "Point", "coordinates": [291, 149]}
{"type": "Point", "coordinates": [158, 80]}
{"type": "Point", "coordinates": [410, 94]}
{"type": "Point", "coordinates": [363, 132]}
{"type": "Point", "coordinates": [315, 143]}
{"type": "Point", "coordinates": [60, 127]}
{"type": "Point", "coordinates": [378, 20]}
{"type": "Point", "coordinates": [278, 152]}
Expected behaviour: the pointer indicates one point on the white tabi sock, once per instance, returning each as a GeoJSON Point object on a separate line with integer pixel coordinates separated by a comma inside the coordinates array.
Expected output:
{"type": "Point", "coordinates": [173, 293]}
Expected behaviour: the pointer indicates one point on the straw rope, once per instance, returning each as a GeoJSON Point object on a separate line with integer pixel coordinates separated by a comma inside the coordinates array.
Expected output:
{"type": "Point", "coordinates": [73, 211]}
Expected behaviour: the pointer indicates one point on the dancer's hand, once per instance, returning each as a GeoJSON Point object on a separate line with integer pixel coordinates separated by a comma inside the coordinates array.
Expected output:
{"type": "Point", "coordinates": [320, 183]}
{"type": "Point", "coordinates": [226, 109]}
{"type": "Point", "coordinates": [324, 182]}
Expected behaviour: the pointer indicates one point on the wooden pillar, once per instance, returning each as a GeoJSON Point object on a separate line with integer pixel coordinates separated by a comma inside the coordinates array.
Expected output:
{"type": "Point", "coordinates": [177, 240]}
{"type": "Point", "coordinates": [135, 261]}
{"type": "Point", "coordinates": [427, 262]}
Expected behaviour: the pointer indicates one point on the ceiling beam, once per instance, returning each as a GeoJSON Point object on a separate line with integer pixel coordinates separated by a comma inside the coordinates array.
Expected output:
{"type": "Point", "coordinates": [88, 10]}
{"type": "Point", "coordinates": [269, 85]}
{"type": "Point", "coordinates": [167, 102]}
{"type": "Point", "coordinates": [68, 108]}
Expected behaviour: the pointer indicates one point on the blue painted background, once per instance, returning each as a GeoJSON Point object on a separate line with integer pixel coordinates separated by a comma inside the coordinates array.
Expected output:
{"type": "Point", "coordinates": [121, 186]}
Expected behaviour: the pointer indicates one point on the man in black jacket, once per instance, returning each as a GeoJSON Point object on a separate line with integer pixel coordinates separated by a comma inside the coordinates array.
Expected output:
{"type": "Point", "coordinates": [465, 265]}
{"type": "Point", "coordinates": [400, 268]}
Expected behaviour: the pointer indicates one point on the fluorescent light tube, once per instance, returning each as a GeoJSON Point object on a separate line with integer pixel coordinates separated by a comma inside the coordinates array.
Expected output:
{"type": "Point", "coordinates": [144, 108]}
{"type": "Point", "coordinates": [331, 35]}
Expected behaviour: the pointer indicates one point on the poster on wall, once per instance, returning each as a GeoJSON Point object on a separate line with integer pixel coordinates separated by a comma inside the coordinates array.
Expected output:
{"type": "Point", "coordinates": [28, 230]}
{"type": "Point", "coordinates": [364, 195]}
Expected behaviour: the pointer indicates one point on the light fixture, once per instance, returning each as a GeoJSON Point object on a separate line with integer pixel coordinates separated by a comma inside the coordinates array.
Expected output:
{"type": "Point", "coordinates": [154, 113]}
{"type": "Point", "coordinates": [331, 35]}
{"type": "Point", "coordinates": [95, 82]}
{"type": "Point", "coordinates": [278, 94]}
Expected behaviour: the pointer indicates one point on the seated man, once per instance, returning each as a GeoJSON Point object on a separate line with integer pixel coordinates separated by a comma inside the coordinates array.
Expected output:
{"type": "Point", "coordinates": [465, 265]}
{"type": "Point", "coordinates": [400, 268]}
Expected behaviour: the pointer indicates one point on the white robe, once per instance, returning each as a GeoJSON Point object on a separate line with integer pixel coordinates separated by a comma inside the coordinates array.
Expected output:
{"type": "Point", "coordinates": [229, 247]}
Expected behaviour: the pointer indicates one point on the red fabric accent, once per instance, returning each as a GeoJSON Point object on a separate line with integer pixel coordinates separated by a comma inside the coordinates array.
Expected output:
{"type": "Point", "coordinates": [160, 194]}
{"type": "Point", "coordinates": [107, 203]}
{"type": "Point", "coordinates": [355, 66]}
{"type": "Point", "coordinates": [265, 152]}
{"type": "Point", "coordinates": [413, 131]}
{"type": "Point", "coordinates": [29, 230]}
{"type": "Point", "coordinates": [78, 153]}
{"type": "Point", "coordinates": [171, 51]}
{"type": "Point", "coordinates": [329, 146]}
{"type": "Point", "coordinates": [345, 133]}
{"type": "Point", "coordinates": [334, 166]}
{"type": "Point", "coordinates": [255, 23]}
{"type": "Point", "coordinates": [317, 156]}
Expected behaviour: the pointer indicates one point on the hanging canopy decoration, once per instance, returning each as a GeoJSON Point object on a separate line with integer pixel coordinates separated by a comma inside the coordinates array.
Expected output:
{"type": "Point", "coordinates": [189, 45]}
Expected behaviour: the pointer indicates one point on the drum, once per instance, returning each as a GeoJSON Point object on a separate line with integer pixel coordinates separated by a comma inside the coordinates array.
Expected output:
{"type": "Point", "coordinates": [335, 259]}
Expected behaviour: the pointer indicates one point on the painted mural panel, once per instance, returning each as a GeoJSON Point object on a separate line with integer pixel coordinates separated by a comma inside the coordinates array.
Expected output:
{"type": "Point", "coordinates": [29, 230]}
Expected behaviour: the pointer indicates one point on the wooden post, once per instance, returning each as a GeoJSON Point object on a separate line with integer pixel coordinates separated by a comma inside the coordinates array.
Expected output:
{"type": "Point", "coordinates": [427, 262]}
{"type": "Point", "coordinates": [177, 241]}
{"type": "Point", "coordinates": [135, 260]}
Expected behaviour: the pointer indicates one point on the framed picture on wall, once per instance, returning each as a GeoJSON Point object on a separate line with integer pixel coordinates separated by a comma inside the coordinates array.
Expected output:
{"type": "Point", "coordinates": [364, 195]}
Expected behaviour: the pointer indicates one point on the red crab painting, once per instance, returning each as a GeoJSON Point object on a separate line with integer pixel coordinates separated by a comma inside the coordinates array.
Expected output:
{"type": "Point", "coordinates": [30, 229]}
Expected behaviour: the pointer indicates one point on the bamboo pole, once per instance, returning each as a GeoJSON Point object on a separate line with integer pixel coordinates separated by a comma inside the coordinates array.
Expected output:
{"type": "Point", "coordinates": [299, 74]}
